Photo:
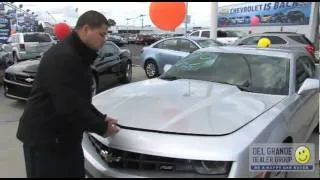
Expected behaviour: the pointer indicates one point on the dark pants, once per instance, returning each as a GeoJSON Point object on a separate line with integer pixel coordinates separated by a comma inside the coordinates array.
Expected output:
{"type": "Point", "coordinates": [56, 161]}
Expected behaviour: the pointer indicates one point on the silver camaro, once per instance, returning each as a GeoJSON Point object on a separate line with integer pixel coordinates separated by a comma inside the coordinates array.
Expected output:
{"type": "Point", "coordinates": [201, 116]}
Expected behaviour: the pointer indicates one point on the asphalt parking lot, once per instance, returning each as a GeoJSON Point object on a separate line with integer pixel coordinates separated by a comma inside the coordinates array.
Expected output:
{"type": "Point", "coordinates": [11, 154]}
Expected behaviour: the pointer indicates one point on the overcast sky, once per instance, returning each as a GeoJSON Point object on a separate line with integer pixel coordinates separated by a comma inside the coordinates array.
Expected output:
{"type": "Point", "coordinates": [119, 11]}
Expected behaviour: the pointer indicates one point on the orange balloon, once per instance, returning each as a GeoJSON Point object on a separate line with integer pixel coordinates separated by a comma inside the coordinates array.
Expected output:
{"type": "Point", "coordinates": [167, 15]}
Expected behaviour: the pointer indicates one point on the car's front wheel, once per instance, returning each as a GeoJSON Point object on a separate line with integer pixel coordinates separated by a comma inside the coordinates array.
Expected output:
{"type": "Point", "coordinates": [151, 69]}
{"type": "Point", "coordinates": [127, 73]}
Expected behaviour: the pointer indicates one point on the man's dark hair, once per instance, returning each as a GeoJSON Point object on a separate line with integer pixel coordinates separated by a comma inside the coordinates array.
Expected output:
{"type": "Point", "coordinates": [92, 18]}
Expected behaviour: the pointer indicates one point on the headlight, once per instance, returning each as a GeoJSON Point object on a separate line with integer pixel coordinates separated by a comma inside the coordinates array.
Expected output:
{"type": "Point", "coordinates": [211, 167]}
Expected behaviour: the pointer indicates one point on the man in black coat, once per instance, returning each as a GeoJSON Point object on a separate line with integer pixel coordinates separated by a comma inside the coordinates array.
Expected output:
{"type": "Point", "coordinates": [59, 109]}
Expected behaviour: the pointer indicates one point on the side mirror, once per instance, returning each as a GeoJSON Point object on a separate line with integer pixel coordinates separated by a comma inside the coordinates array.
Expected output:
{"type": "Point", "coordinates": [308, 85]}
{"type": "Point", "coordinates": [167, 67]}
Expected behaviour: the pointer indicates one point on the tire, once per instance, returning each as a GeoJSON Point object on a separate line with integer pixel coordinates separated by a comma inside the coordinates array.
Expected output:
{"type": "Point", "coordinates": [151, 69]}
{"type": "Point", "coordinates": [94, 86]}
{"type": "Point", "coordinates": [126, 76]}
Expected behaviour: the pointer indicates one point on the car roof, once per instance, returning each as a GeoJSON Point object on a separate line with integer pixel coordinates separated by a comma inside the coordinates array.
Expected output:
{"type": "Point", "coordinates": [275, 52]}
{"type": "Point", "coordinates": [278, 33]}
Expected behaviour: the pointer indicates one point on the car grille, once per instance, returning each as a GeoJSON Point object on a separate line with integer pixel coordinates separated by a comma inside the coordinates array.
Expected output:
{"type": "Point", "coordinates": [138, 161]}
{"type": "Point", "coordinates": [17, 78]}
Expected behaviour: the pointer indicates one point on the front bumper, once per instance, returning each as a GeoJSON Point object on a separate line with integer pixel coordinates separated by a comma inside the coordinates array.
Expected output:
{"type": "Point", "coordinates": [29, 55]}
{"type": "Point", "coordinates": [16, 90]}
{"type": "Point", "coordinates": [96, 167]}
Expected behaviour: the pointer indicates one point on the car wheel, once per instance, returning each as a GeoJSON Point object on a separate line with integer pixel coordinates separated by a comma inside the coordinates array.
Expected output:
{"type": "Point", "coordinates": [94, 86]}
{"type": "Point", "coordinates": [151, 69]}
{"type": "Point", "coordinates": [127, 73]}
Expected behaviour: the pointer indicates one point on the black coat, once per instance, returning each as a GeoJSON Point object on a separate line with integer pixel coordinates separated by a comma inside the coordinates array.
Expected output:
{"type": "Point", "coordinates": [59, 109]}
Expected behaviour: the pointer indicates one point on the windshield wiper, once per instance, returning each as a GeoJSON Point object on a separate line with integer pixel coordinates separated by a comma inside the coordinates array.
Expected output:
{"type": "Point", "coordinates": [169, 78]}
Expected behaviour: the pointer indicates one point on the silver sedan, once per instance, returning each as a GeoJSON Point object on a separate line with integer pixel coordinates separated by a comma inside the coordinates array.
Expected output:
{"type": "Point", "coordinates": [200, 118]}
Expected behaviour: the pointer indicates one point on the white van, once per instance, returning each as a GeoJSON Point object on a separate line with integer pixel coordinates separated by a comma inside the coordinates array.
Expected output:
{"type": "Point", "coordinates": [225, 37]}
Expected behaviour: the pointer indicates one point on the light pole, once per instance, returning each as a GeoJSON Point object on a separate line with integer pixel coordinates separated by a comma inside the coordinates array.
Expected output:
{"type": "Point", "coordinates": [142, 15]}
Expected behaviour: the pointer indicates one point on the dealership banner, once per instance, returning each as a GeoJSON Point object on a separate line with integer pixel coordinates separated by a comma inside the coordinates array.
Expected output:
{"type": "Point", "coordinates": [4, 29]}
{"type": "Point", "coordinates": [268, 13]}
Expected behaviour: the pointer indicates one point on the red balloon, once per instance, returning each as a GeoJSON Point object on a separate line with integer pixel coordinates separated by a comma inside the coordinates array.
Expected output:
{"type": "Point", "coordinates": [255, 21]}
{"type": "Point", "coordinates": [61, 30]}
{"type": "Point", "coordinates": [167, 15]}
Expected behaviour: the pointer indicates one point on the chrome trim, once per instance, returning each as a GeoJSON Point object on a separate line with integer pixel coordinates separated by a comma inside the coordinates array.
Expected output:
{"type": "Point", "coordinates": [19, 84]}
{"type": "Point", "coordinates": [15, 97]}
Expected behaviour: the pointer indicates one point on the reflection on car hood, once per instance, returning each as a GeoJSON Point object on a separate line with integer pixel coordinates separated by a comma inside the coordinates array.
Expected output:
{"type": "Point", "coordinates": [30, 66]}
{"type": "Point", "coordinates": [183, 106]}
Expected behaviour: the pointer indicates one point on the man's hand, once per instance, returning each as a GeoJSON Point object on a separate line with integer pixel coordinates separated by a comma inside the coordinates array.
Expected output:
{"type": "Point", "coordinates": [112, 127]}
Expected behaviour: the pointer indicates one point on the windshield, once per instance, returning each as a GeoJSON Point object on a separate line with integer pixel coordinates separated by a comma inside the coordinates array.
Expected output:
{"type": "Point", "coordinates": [254, 73]}
{"type": "Point", "coordinates": [235, 34]}
{"type": "Point", "coordinates": [207, 43]}
{"type": "Point", "coordinates": [36, 37]}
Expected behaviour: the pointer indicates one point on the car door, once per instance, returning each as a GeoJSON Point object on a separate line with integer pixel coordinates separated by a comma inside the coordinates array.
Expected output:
{"type": "Point", "coordinates": [108, 62]}
{"type": "Point", "coordinates": [168, 52]}
{"type": "Point", "coordinates": [306, 105]}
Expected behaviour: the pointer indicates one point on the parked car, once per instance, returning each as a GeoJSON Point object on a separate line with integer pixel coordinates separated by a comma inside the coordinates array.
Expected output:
{"type": "Point", "coordinates": [118, 40]}
{"type": "Point", "coordinates": [145, 39]}
{"type": "Point", "coordinates": [170, 51]}
{"type": "Point", "coordinates": [28, 45]}
{"type": "Point", "coordinates": [111, 62]}
{"type": "Point", "coordinates": [132, 38]}
{"type": "Point", "coordinates": [56, 40]}
{"type": "Point", "coordinates": [225, 37]}
{"type": "Point", "coordinates": [200, 118]}
{"type": "Point", "coordinates": [279, 39]}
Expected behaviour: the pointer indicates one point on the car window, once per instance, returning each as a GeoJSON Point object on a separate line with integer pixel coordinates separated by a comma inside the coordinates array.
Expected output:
{"type": "Point", "coordinates": [300, 39]}
{"type": "Point", "coordinates": [108, 50]}
{"type": "Point", "coordinates": [187, 46]}
{"type": "Point", "coordinates": [205, 34]}
{"type": "Point", "coordinates": [221, 34]}
{"type": "Point", "coordinates": [208, 43]}
{"type": "Point", "coordinates": [250, 41]}
{"type": "Point", "coordinates": [171, 44]}
{"type": "Point", "coordinates": [36, 37]}
{"type": "Point", "coordinates": [275, 40]}
{"type": "Point", "coordinates": [260, 73]}
{"type": "Point", "coordinates": [195, 33]}
{"type": "Point", "coordinates": [304, 69]}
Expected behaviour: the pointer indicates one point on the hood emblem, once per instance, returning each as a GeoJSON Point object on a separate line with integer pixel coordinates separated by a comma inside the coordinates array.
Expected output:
{"type": "Point", "coordinates": [109, 157]}
{"type": "Point", "coordinates": [29, 80]}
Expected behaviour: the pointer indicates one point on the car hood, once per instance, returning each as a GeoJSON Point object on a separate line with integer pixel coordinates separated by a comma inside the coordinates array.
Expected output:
{"type": "Point", "coordinates": [183, 106]}
{"type": "Point", "coordinates": [29, 67]}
